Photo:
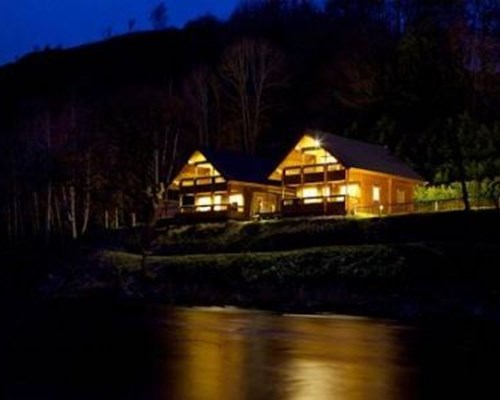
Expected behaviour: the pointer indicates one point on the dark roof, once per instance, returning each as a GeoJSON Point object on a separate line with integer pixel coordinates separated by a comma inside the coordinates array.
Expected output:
{"type": "Point", "coordinates": [356, 154]}
{"type": "Point", "coordinates": [240, 167]}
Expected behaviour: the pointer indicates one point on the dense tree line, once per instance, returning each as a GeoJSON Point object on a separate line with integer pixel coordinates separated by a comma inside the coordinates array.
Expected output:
{"type": "Point", "coordinates": [87, 133]}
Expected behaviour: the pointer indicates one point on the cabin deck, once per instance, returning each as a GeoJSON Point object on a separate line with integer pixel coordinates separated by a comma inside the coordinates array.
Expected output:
{"type": "Point", "coordinates": [219, 212]}
{"type": "Point", "coordinates": [329, 205]}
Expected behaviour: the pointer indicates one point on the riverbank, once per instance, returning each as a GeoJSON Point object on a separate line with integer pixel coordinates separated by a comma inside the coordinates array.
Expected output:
{"type": "Point", "coordinates": [298, 233]}
{"type": "Point", "coordinates": [408, 267]}
{"type": "Point", "coordinates": [404, 281]}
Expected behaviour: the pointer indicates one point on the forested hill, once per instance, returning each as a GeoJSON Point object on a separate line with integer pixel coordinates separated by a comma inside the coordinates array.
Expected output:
{"type": "Point", "coordinates": [420, 77]}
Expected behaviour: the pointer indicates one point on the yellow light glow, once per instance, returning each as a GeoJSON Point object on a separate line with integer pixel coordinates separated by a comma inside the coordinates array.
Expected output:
{"type": "Point", "coordinates": [203, 203]}
{"type": "Point", "coordinates": [217, 203]}
{"type": "Point", "coordinates": [353, 190]}
{"type": "Point", "coordinates": [308, 192]}
{"type": "Point", "coordinates": [328, 159]}
{"type": "Point", "coordinates": [236, 198]}
{"type": "Point", "coordinates": [317, 142]}
{"type": "Point", "coordinates": [376, 193]}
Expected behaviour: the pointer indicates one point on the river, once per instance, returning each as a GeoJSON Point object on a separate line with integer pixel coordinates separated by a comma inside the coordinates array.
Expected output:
{"type": "Point", "coordinates": [87, 350]}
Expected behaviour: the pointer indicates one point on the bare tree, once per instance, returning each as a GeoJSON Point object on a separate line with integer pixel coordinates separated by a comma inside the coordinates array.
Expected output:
{"type": "Point", "coordinates": [159, 16]}
{"type": "Point", "coordinates": [200, 93]}
{"type": "Point", "coordinates": [252, 70]}
{"type": "Point", "coordinates": [131, 24]}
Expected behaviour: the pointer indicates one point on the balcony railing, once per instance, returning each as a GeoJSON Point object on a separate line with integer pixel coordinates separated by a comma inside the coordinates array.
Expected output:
{"type": "Point", "coordinates": [211, 212]}
{"type": "Point", "coordinates": [313, 173]}
{"type": "Point", "coordinates": [203, 184]}
{"type": "Point", "coordinates": [324, 205]}
{"type": "Point", "coordinates": [430, 206]}
{"type": "Point", "coordinates": [211, 208]}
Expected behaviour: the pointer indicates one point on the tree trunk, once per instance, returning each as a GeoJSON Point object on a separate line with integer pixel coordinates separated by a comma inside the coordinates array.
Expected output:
{"type": "Point", "coordinates": [72, 212]}
{"type": "Point", "coordinates": [48, 213]}
{"type": "Point", "coordinates": [86, 200]}
{"type": "Point", "coordinates": [57, 214]}
{"type": "Point", "coordinates": [36, 216]}
{"type": "Point", "coordinates": [461, 170]}
{"type": "Point", "coordinates": [8, 220]}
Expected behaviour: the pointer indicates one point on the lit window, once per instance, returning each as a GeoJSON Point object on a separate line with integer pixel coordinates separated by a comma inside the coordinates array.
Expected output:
{"type": "Point", "coordinates": [327, 159]}
{"type": "Point", "coordinates": [400, 196]}
{"type": "Point", "coordinates": [353, 190]}
{"type": "Point", "coordinates": [376, 193]}
{"type": "Point", "coordinates": [326, 191]}
{"type": "Point", "coordinates": [308, 192]}
{"type": "Point", "coordinates": [203, 203]}
{"type": "Point", "coordinates": [311, 195]}
{"type": "Point", "coordinates": [218, 202]}
{"type": "Point", "coordinates": [236, 199]}
{"type": "Point", "coordinates": [292, 171]}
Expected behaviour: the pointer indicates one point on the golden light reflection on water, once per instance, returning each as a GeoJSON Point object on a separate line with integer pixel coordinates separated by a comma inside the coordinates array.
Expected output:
{"type": "Point", "coordinates": [239, 355]}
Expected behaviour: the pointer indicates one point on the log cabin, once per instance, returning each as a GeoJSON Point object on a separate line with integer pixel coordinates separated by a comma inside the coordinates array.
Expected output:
{"type": "Point", "coordinates": [334, 175]}
{"type": "Point", "coordinates": [216, 185]}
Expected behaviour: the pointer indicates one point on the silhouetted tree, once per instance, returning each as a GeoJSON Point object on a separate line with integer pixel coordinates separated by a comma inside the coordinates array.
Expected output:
{"type": "Point", "coordinates": [131, 24]}
{"type": "Point", "coordinates": [159, 16]}
{"type": "Point", "coordinates": [252, 70]}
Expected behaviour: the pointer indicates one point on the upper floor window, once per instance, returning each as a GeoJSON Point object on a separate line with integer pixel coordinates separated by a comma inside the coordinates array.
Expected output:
{"type": "Point", "coordinates": [400, 196]}
{"type": "Point", "coordinates": [376, 193]}
{"type": "Point", "coordinates": [353, 190]}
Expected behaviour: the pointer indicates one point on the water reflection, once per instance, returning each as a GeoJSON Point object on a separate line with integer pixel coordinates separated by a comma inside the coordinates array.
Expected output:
{"type": "Point", "coordinates": [220, 354]}
{"type": "Point", "coordinates": [94, 351]}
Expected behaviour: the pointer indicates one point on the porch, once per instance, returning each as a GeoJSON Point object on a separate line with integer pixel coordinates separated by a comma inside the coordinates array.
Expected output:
{"type": "Point", "coordinates": [211, 212]}
{"type": "Point", "coordinates": [324, 205]}
{"type": "Point", "coordinates": [313, 173]}
{"type": "Point", "coordinates": [203, 184]}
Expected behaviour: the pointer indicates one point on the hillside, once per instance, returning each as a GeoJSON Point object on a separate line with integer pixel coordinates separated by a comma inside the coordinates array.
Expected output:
{"type": "Point", "coordinates": [105, 120]}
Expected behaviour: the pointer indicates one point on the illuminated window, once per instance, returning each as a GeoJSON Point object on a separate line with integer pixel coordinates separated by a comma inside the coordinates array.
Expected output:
{"type": "Point", "coordinates": [400, 196]}
{"type": "Point", "coordinates": [376, 193]}
{"type": "Point", "coordinates": [353, 190]}
{"type": "Point", "coordinates": [292, 171]}
{"type": "Point", "coordinates": [327, 159]}
{"type": "Point", "coordinates": [237, 200]}
{"type": "Point", "coordinates": [203, 203]}
{"type": "Point", "coordinates": [218, 202]}
{"type": "Point", "coordinates": [326, 191]}
{"type": "Point", "coordinates": [310, 192]}
{"type": "Point", "coordinates": [311, 195]}
{"type": "Point", "coordinates": [187, 182]}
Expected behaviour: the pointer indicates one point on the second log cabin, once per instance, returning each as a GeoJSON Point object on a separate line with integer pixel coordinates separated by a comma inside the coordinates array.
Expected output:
{"type": "Point", "coordinates": [334, 175]}
{"type": "Point", "coordinates": [215, 185]}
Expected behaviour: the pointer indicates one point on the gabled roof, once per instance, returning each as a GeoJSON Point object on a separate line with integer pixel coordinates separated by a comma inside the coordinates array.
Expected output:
{"type": "Point", "coordinates": [239, 167]}
{"type": "Point", "coordinates": [357, 154]}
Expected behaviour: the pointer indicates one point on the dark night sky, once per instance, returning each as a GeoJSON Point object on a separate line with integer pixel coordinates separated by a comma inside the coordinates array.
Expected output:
{"type": "Point", "coordinates": [29, 23]}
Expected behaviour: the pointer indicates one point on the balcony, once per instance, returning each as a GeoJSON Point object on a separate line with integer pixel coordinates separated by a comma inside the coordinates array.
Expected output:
{"type": "Point", "coordinates": [315, 173]}
{"type": "Point", "coordinates": [328, 205]}
{"type": "Point", "coordinates": [204, 184]}
{"type": "Point", "coordinates": [214, 212]}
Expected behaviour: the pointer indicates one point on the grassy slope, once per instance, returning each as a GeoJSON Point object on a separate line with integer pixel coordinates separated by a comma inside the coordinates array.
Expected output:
{"type": "Point", "coordinates": [421, 265]}
{"type": "Point", "coordinates": [289, 234]}
{"type": "Point", "coordinates": [400, 280]}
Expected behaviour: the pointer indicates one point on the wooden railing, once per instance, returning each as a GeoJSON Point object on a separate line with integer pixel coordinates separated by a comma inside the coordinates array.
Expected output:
{"type": "Point", "coordinates": [423, 207]}
{"type": "Point", "coordinates": [211, 208]}
{"type": "Point", "coordinates": [313, 173]}
{"type": "Point", "coordinates": [203, 184]}
{"type": "Point", "coordinates": [324, 205]}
